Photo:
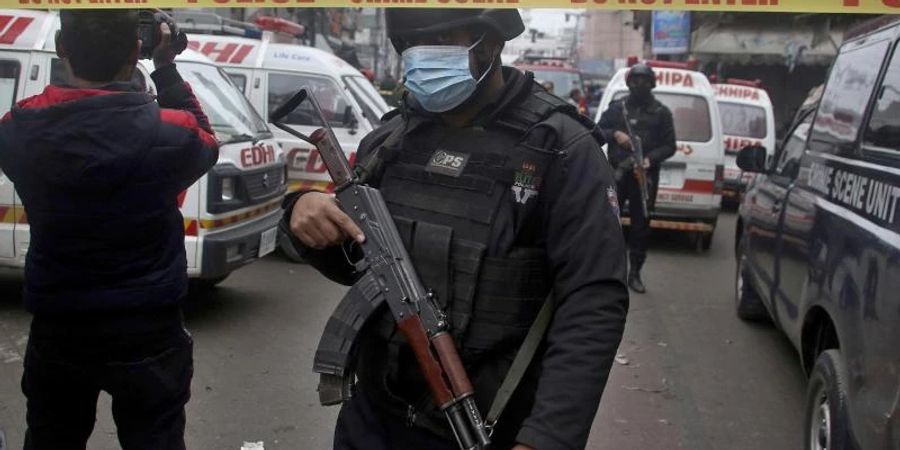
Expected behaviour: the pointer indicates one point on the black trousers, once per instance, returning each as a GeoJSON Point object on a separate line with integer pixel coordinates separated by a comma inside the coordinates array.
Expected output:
{"type": "Point", "coordinates": [360, 426]}
{"type": "Point", "coordinates": [147, 373]}
{"type": "Point", "coordinates": [638, 233]}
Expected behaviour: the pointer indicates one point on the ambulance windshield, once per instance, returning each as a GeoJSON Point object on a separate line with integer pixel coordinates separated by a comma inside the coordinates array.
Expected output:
{"type": "Point", "coordinates": [743, 120]}
{"type": "Point", "coordinates": [230, 114]}
{"type": "Point", "coordinates": [689, 112]}
{"type": "Point", "coordinates": [563, 81]}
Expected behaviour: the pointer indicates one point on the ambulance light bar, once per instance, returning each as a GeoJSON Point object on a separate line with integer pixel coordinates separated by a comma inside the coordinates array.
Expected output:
{"type": "Point", "coordinates": [210, 23]}
{"type": "Point", "coordinates": [692, 64]}
{"type": "Point", "coordinates": [278, 24]}
{"type": "Point", "coordinates": [757, 83]}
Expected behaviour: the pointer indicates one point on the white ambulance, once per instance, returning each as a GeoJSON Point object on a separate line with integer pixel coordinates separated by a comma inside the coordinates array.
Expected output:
{"type": "Point", "coordinates": [690, 183]}
{"type": "Point", "coordinates": [270, 72]}
{"type": "Point", "coordinates": [747, 119]}
{"type": "Point", "coordinates": [230, 214]}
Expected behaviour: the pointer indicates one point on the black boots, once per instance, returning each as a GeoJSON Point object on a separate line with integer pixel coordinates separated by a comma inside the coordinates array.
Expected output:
{"type": "Point", "coordinates": [635, 282]}
{"type": "Point", "coordinates": [634, 275]}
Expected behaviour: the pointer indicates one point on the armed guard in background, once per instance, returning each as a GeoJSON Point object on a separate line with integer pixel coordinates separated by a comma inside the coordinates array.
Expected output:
{"type": "Point", "coordinates": [504, 201]}
{"type": "Point", "coordinates": [652, 122]}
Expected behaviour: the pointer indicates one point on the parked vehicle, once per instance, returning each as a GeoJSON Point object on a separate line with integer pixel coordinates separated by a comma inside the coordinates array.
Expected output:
{"type": "Point", "coordinates": [559, 71]}
{"type": "Point", "coordinates": [747, 119]}
{"type": "Point", "coordinates": [269, 72]}
{"type": "Point", "coordinates": [690, 183]}
{"type": "Point", "coordinates": [230, 214]}
{"type": "Point", "coordinates": [818, 246]}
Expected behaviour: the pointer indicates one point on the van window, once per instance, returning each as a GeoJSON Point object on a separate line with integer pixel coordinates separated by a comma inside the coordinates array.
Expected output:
{"type": "Point", "coordinates": [689, 112]}
{"type": "Point", "coordinates": [883, 130]}
{"type": "Point", "coordinates": [230, 113]}
{"type": "Point", "coordinates": [9, 79]}
{"type": "Point", "coordinates": [330, 97]}
{"type": "Point", "coordinates": [369, 100]}
{"type": "Point", "coordinates": [743, 120]}
{"type": "Point", "coordinates": [847, 93]}
{"type": "Point", "coordinates": [789, 160]}
{"type": "Point", "coordinates": [239, 80]}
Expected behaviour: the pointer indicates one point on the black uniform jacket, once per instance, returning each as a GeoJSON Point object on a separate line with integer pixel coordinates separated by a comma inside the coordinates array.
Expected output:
{"type": "Point", "coordinates": [576, 219]}
{"type": "Point", "coordinates": [652, 122]}
{"type": "Point", "coordinates": [99, 172]}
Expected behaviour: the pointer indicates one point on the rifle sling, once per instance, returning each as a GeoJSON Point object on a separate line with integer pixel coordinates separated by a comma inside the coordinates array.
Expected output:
{"type": "Point", "coordinates": [521, 362]}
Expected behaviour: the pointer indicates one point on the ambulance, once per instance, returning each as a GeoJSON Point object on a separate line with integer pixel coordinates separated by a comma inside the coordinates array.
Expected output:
{"type": "Point", "coordinates": [690, 183]}
{"type": "Point", "coordinates": [269, 72]}
{"type": "Point", "coordinates": [747, 119]}
{"type": "Point", "coordinates": [230, 214]}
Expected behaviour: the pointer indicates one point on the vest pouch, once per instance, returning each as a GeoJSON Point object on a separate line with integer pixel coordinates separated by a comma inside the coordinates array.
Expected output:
{"type": "Point", "coordinates": [510, 294]}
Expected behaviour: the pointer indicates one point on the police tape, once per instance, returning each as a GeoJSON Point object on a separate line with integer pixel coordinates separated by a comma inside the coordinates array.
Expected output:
{"type": "Point", "coordinates": [801, 6]}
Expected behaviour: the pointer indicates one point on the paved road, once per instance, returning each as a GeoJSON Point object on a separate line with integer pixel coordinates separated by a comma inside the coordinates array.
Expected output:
{"type": "Point", "coordinates": [695, 376]}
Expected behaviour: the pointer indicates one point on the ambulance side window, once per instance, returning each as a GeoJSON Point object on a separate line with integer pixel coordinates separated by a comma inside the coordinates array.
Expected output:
{"type": "Point", "coordinates": [330, 97]}
{"type": "Point", "coordinates": [239, 80]}
{"type": "Point", "coordinates": [9, 79]}
{"type": "Point", "coordinates": [883, 129]}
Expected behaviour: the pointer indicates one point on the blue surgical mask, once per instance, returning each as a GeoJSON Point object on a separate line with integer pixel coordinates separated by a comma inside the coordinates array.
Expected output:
{"type": "Point", "coordinates": [439, 75]}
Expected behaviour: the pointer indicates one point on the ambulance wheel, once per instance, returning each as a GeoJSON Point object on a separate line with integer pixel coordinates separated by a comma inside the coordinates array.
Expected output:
{"type": "Point", "coordinates": [706, 241]}
{"type": "Point", "coordinates": [702, 241]}
{"type": "Point", "coordinates": [827, 424]}
{"type": "Point", "coordinates": [748, 304]}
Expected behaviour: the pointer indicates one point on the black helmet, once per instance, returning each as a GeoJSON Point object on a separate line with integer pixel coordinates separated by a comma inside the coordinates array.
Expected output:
{"type": "Point", "coordinates": [641, 70]}
{"type": "Point", "coordinates": [412, 22]}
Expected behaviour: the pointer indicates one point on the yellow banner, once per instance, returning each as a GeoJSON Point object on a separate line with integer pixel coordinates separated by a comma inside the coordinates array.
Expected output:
{"type": "Point", "coordinates": [803, 6]}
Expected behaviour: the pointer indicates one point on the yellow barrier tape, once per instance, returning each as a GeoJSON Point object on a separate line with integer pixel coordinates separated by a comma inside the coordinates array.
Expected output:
{"type": "Point", "coordinates": [804, 6]}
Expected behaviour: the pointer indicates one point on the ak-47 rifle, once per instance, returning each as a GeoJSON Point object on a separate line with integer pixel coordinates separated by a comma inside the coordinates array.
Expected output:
{"type": "Point", "coordinates": [640, 172]}
{"type": "Point", "coordinates": [389, 277]}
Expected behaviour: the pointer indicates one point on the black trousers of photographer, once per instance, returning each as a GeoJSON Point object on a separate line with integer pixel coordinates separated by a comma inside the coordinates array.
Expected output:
{"type": "Point", "coordinates": [145, 368]}
{"type": "Point", "coordinates": [638, 233]}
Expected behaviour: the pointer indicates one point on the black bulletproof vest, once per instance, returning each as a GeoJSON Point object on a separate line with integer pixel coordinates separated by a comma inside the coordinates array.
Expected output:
{"type": "Point", "coordinates": [447, 220]}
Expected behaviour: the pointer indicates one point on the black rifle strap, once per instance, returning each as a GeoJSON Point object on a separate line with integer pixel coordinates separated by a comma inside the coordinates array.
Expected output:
{"type": "Point", "coordinates": [521, 362]}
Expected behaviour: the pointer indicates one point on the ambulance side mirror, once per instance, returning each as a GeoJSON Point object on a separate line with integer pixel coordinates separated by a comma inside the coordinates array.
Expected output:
{"type": "Point", "coordinates": [753, 159]}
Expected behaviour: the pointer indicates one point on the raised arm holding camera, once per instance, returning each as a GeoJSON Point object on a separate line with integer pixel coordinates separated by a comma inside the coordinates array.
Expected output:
{"type": "Point", "coordinates": [99, 165]}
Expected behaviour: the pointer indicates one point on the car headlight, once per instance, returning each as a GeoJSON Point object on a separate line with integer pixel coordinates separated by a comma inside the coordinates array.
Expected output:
{"type": "Point", "coordinates": [227, 188]}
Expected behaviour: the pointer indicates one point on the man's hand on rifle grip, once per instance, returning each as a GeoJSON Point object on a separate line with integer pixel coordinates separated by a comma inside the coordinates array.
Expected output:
{"type": "Point", "coordinates": [623, 140]}
{"type": "Point", "coordinates": [318, 222]}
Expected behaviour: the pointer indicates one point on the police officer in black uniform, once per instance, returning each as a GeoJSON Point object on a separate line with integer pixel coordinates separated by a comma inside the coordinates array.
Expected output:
{"type": "Point", "coordinates": [503, 196]}
{"type": "Point", "coordinates": [652, 121]}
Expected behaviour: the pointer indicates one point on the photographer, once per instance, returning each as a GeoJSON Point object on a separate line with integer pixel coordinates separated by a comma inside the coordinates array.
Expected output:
{"type": "Point", "coordinates": [99, 166]}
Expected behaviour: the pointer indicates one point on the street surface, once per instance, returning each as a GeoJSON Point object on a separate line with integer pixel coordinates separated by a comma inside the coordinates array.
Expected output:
{"type": "Point", "coordinates": [690, 375]}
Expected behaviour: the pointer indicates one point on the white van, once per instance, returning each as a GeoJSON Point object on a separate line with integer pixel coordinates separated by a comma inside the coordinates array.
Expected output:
{"type": "Point", "coordinates": [270, 72]}
{"type": "Point", "coordinates": [747, 119]}
{"type": "Point", "coordinates": [690, 183]}
{"type": "Point", "coordinates": [230, 215]}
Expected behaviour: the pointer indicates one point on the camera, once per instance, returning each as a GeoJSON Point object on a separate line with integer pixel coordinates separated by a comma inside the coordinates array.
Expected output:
{"type": "Point", "coordinates": [148, 32]}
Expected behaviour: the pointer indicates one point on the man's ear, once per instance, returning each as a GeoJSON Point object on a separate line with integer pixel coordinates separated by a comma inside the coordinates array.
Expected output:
{"type": "Point", "coordinates": [60, 50]}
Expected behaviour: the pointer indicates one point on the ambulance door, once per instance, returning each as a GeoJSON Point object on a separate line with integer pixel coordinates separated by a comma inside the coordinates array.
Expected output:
{"type": "Point", "coordinates": [12, 88]}
{"type": "Point", "coordinates": [242, 78]}
{"type": "Point", "coordinates": [305, 167]}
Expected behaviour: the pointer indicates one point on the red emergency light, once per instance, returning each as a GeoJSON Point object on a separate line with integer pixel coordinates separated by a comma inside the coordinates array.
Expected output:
{"type": "Point", "coordinates": [691, 64]}
{"type": "Point", "coordinates": [757, 83]}
{"type": "Point", "coordinates": [270, 23]}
